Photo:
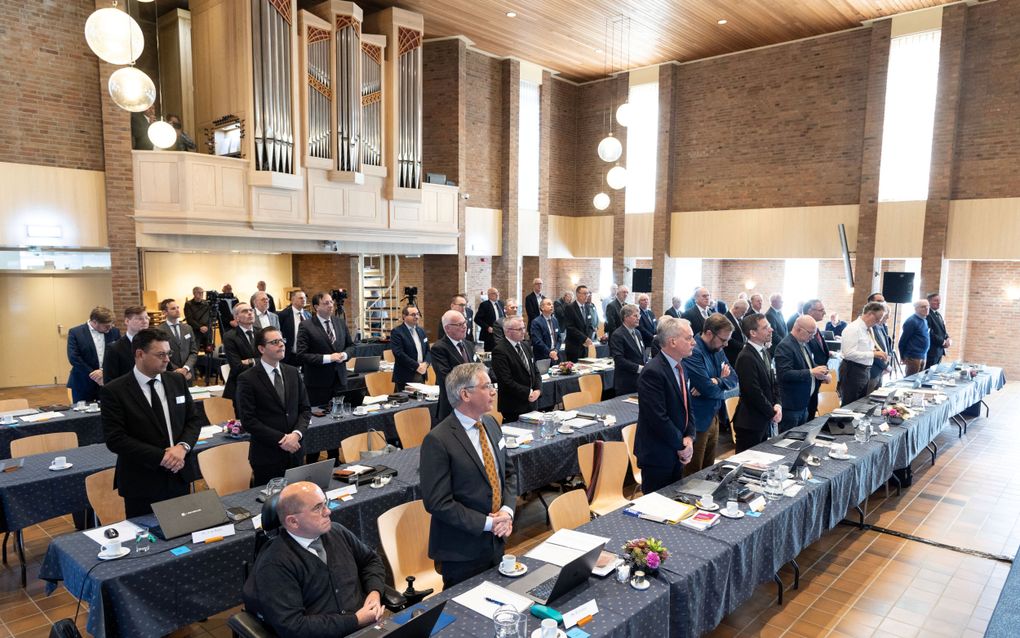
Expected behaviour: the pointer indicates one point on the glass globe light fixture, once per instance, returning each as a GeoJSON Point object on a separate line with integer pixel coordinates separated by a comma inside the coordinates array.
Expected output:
{"type": "Point", "coordinates": [601, 201]}
{"type": "Point", "coordinates": [610, 149]}
{"type": "Point", "coordinates": [617, 177]}
{"type": "Point", "coordinates": [162, 134]}
{"type": "Point", "coordinates": [623, 114]}
{"type": "Point", "coordinates": [132, 90]}
{"type": "Point", "coordinates": [114, 36]}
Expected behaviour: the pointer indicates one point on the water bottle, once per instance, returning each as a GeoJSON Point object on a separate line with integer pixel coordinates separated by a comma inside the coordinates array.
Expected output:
{"type": "Point", "coordinates": [548, 429]}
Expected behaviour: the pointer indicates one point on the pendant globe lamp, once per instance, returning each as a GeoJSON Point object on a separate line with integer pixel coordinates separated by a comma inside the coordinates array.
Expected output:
{"type": "Point", "coordinates": [114, 36]}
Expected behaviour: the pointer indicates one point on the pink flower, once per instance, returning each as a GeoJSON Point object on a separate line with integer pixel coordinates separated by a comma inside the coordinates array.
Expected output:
{"type": "Point", "coordinates": [652, 560]}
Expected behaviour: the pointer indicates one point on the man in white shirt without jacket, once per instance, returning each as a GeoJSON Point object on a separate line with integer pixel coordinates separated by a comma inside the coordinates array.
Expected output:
{"type": "Point", "coordinates": [859, 352]}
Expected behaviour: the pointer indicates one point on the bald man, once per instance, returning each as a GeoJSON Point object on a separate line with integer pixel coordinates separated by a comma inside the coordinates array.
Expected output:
{"type": "Point", "coordinates": [797, 372]}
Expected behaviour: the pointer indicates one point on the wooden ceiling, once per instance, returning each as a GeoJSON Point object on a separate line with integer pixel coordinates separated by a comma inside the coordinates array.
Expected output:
{"type": "Point", "coordinates": [569, 36]}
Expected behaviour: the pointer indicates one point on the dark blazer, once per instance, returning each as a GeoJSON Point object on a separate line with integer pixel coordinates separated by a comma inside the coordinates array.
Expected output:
{"type": "Point", "coordinates": [647, 326]}
{"type": "Point", "coordinates": [819, 350]}
{"type": "Point", "coordinates": [759, 392]}
{"type": "Point", "coordinates": [82, 355]}
{"type": "Point", "coordinates": [663, 421]}
{"type": "Point", "coordinates": [578, 330]}
{"type": "Point", "coordinates": [405, 355]}
{"type": "Point", "coordinates": [457, 493]}
{"type": "Point", "coordinates": [794, 375]}
{"type": "Point", "coordinates": [672, 312]}
{"type": "Point", "coordinates": [541, 342]}
{"type": "Point", "coordinates": [183, 352]}
{"type": "Point", "coordinates": [937, 335]}
{"type": "Point", "coordinates": [237, 348]}
{"type": "Point", "coordinates": [445, 358]}
{"type": "Point", "coordinates": [267, 418]}
{"type": "Point", "coordinates": [297, 595]}
{"type": "Point", "coordinates": [736, 344]}
{"type": "Point", "coordinates": [223, 309]}
{"type": "Point", "coordinates": [196, 313]}
{"type": "Point", "coordinates": [779, 331]}
{"type": "Point", "coordinates": [697, 320]}
{"type": "Point", "coordinates": [881, 334]}
{"type": "Point", "coordinates": [532, 307]}
{"type": "Point", "coordinates": [313, 344]}
{"type": "Point", "coordinates": [627, 358]}
{"type": "Point", "coordinates": [118, 360]}
{"type": "Point", "coordinates": [613, 318]}
{"type": "Point", "coordinates": [701, 367]}
{"type": "Point", "coordinates": [287, 326]}
{"type": "Point", "coordinates": [515, 380]}
{"type": "Point", "coordinates": [139, 441]}
{"type": "Point", "coordinates": [486, 317]}
{"type": "Point", "coordinates": [558, 309]}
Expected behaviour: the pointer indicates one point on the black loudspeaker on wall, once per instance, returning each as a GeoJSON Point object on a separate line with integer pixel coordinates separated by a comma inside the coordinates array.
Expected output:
{"type": "Point", "coordinates": [897, 287]}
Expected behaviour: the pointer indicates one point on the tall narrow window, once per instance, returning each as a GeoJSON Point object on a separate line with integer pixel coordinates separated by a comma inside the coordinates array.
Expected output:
{"type": "Point", "coordinates": [686, 278]}
{"type": "Point", "coordinates": [642, 143]}
{"type": "Point", "coordinates": [529, 132]}
{"type": "Point", "coordinates": [800, 283]}
{"type": "Point", "coordinates": [909, 117]}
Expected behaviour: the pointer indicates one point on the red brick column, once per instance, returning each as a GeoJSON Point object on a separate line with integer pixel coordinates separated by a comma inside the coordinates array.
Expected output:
{"type": "Point", "coordinates": [663, 264]}
{"type": "Point", "coordinates": [545, 173]}
{"type": "Point", "coordinates": [506, 268]}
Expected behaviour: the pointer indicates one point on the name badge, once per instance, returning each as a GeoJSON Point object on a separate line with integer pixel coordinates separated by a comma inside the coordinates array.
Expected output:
{"type": "Point", "coordinates": [502, 444]}
{"type": "Point", "coordinates": [180, 400]}
{"type": "Point", "coordinates": [187, 336]}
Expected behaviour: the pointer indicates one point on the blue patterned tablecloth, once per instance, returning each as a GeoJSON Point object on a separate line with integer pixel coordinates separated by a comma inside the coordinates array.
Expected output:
{"type": "Point", "coordinates": [88, 426]}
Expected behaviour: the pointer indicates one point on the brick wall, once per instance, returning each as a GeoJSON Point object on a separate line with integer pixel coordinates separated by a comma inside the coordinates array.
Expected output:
{"type": "Point", "coordinates": [567, 271]}
{"type": "Point", "coordinates": [315, 273]}
{"type": "Point", "coordinates": [833, 290]}
{"type": "Point", "coordinates": [994, 326]}
{"type": "Point", "coordinates": [50, 96]}
{"type": "Point", "coordinates": [734, 274]}
{"type": "Point", "coordinates": [478, 278]}
{"type": "Point", "coordinates": [442, 279]}
{"type": "Point", "coordinates": [484, 135]}
{"type": "Point", "coordinates": [594, 102]}
{"type": "Point", "coordinates": [441, 73]}
{"type": "Point", "coordinates": [563, 146]}
{"type": "Point", "coordinates": [956, 308]}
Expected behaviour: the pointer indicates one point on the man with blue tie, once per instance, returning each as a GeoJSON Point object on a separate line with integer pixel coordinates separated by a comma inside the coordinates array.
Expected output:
{"type": "Point", "coordinates": [797, 372]}
{"type": "Point", "coordinates": [291, 319]}
{"type": "Point", "coordinates": [545, 333]}
{"type": "Point", "coordinates": [664, 440]}
{"type": "Point", "coordinates": [647, 323]}
{"type": "Point", "coordinates": [86, 348]}
{"type": "Point", "coordinates": [410, 350]}
{"type": "Point", "coordinates": [628, 351]}
{"type": "Point", "coordinates": [710, 377]}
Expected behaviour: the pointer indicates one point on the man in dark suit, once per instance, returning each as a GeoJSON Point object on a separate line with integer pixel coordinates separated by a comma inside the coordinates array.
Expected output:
{"type": "Point", "coordinates": [533, 302]}
{"type": "Point", "coordinates": [737, 340]}
{"type": "Point", "coordinates": [759, 409]}
{"type": "Point", "coordinates": [513, 363]}
{"type": "Point", "coordinates": [183, 345]}
{"type": "Point", "coordinates": [410, 350]}
{"type": "Point", "coordinates": [938, 336]}
{"type": "Point", "coordinates": [613, 318]}
{"type": "Point", "coordinates": [797, 372]}
{"type": "Point", "coordinates": [460, 304]}
{"type": "Point", "coordinates": [676, 310]}
{"type": "Point", "coordinates": [86, 347]}
{"type": "Point", "coordinates": [291, 319]}
{"type": "Point", "coordinates": [818, 348]}
{"type": "Point", "coordinates": [700, 311]}
{"type": "Point", "coordinates": [324, 344]}
{"type": "Point", "coordinates": [151, 424]}
{"type": "Point", "coordinates": [776, 320]}
{"type": "Point", "coordinates": [239, 348]}
{"type": "Point", "coordinates": [225, 309]}
{"type": "Point", "coordinates": [120, 356]}
{"type": "Point", "coordinates": [545, 333]}
{"type": "Point", "coordinates": [560, 306]}
{"type": "Point", "coordinates": [647, 323]}
{"type": "Point", "coordinates": [197, 314]}
{"type": "Point", "coordinates": [664, 440]}
{"type": "Point", "coordinates": [449, 352]}
{"type": "Point", "coordinates": [579, 320]}
{"type": "Point", "coordinates": [468, 481]}
{"type": "Point", "coordinates": [628, 351]}
{"type": "Point", "coordinates": [489, 312]}
{"type": "Point", "coordinates": [273, 406]}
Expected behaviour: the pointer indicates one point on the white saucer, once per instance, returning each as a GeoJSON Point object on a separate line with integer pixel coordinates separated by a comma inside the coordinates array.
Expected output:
{"type": "Point", "coordinates": [538, 633]}
{"type": "Point", "coordinates": [520, 572]}
{"type": "Point", "coordinates": [739, 514]}
{"type": "Point", "coordinates": [57, 468]}
{"type": "Point", "coordinates": [714, 507]}
{"type": "Point", "coordinates": [124, 551]}
{"type": "Point", "coordinates": [648, 583]}
{"type": "Point", "coordinates": [839, 457]}
{"type": "Point", "coordinates": [565, 430]}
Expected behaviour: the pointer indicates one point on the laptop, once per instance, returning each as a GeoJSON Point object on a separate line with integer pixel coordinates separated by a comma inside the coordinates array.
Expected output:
{"type": "Point", "coordinates": [801, 460]}
{"type": "Point", "coordinates": [543, 365]}
{"type": "Point", "coordinates": [319, 473]}
{"type": "Point", "coordinates": [366, 364]}
{"type": "Point", "coordinates": [549, 582]}
{"type": "Point", "coordinates": [803, 439]}
{"type": "Point", "coordinates": [718, 489]}
{"type": "Point", "coordinates": [188, 513]}
{"type": "Point", "coordinates": [419, 626]}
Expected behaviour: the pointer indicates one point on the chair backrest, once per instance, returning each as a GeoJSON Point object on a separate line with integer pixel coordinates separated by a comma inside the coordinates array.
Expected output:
{"type": "Point", "coordinates": [352, 447]}
{"type": "Point", "coordinates": [592, 352]}
{"type": "Point", "coordinates": [16, 404]}
{"type": "Point", "coordinates": [387, 355]}
{"type": "Point", "coordinates": [827, 402]}
{"type": "Point", "coordinates": [609, 491]}
{"type": "Point", "coordinates": [404, 536]}
{"type": "Point", "coordinates": [225, 371]}
{"type": "Point", "coordinates": [218, 410]}
{"type": "Point", "coordinates": [496, 414]}
{"type": "Point", "coordinates": [70, 397]}
{"type": "Point", "coordinates": [629, 433]}
{"type": "Point", "coordinates": [103, 498]}
{"type": "Point", "coordinates": [591, 384]}
{"type": "Point", "coordinates": [575, 400]}
{"type": "Point", "coordinates": [379, 383]}
{"type": "Point", "coordinates": [430, 376]}
{"type": "Point", "coordinates": [42, 443]}
{"type": "Point", "coordinates": [830, 386]}
{"type": "Point", "coordinates": [225, 467]}
{"type": "Point", "coordinates": [412, 426]}
{"type": "Point", "coordinates": [569, 510]}
{"type": "Point", "coordinates": [731, 409]}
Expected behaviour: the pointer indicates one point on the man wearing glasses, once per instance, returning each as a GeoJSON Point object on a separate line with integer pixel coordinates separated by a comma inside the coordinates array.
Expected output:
{"type": "Point", "coordinates": [449, 352]}
{"type": "Point", "coordinates": [513, 363]}
{"type": "Point", "coordinates": [797, 372]}
{"type": "Point", "coordinates": [468, 480]}
{"type": "Point", "coordinates": [150, 423]}
{"type": "Point", "coordinates": [273, 406]}
{"type": "Point", "coordinates": [460, 304]}
{"type": "Point", "coordinates": [710, 376]}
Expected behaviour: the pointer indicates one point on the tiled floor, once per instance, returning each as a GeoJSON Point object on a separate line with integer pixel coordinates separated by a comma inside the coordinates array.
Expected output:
{"type": "Point", "coordinates": [853, 583]}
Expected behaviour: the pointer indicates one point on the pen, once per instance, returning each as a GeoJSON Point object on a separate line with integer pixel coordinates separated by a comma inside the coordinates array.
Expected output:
{"type": "Point", "coordinates": [584, 621]}
{"type": "Point", "coordinates": [213, 539]}
{"type": "Point", "coordinates": [494, 601]}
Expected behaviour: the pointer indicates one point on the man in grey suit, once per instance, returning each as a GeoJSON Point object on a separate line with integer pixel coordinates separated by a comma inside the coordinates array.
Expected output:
{"type": "Point", "coordinates": [264, 316]}
{"type": "Point", "coordinates": [183, 345]}
{"type": "Point", "coordinates": [468, 481]}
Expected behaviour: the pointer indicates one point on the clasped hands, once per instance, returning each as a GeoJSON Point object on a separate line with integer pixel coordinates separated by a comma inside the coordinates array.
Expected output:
{"type": "Point", "coordinates": [371, 611]}
{"type": "Point", "coordinates": [290, 442]}
{"type": "Point", "coordinates": [502, 524]}
{"type": "Point", "coordinates": [173, 458]}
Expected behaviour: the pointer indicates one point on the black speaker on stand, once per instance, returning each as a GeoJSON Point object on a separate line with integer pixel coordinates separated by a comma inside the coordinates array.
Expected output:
{"type": "Point", "coordinates": [897, 288]}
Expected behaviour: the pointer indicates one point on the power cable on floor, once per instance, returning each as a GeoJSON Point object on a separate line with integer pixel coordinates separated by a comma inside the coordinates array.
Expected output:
{"type": "Point", "coordinates": [953, 548]}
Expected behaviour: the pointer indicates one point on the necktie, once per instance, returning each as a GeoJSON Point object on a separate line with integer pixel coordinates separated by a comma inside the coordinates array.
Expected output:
{"type": "Point", "coordinates": [278, 384]}
{"type": "Point", "coordinates": [320, 551]}
{"type": "Point", "coordinates": [683, 393]}
{"type": "Point", "coordinates": [251, 339]}
{"type": "Point", "coordinates": [640, 345]}
{"type": "Point", "coordinates": [499, 309]}
{"type": "Point", "coordinates": [524, 357]}
{"type": "Point", "coordinates": [329, 331]}
{"type": "Point", "coordinates": [464, 352]}
{"type": "Point", "coordinates": [177, 331]}
{"type": "Point", "coordinates": [809, 362]}
{"type": "Point", "coordinates": [157, 409]}
{"type": "Point", "coordinates": [874, 338]}
{"type": "Point", "coordinates": [490, 467]}
{"type": "Point", "coordinates": [552, 336]}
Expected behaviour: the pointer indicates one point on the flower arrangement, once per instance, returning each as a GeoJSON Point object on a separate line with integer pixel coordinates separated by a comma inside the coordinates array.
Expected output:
{"type": "Point", "coordinates": [646, 553]}
{"type": "Point", "coordinates": [233, 428]}
{"type": "Point", "coordinates": [567, 367]}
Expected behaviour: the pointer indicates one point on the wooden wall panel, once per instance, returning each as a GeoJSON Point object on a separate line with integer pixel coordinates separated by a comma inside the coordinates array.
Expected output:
{"type": "Point", "coordinates": [984, 229]}
{"type": "Point", "coordinates": [900, 230]}
{"type": "Point", "coordinates": [73, 200]}
{"type": "Point", "coordinates": [637, 238]}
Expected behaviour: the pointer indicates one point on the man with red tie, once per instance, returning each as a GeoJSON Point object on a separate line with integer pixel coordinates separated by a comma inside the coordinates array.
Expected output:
{"type": "Point", "coordinates": [449, 352]}
{"type": "Point", "coordinates": [664, 440]}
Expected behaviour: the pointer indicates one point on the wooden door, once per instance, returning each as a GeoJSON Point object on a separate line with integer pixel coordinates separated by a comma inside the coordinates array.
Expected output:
{"type": "Point", "coordinates": [74, 297]}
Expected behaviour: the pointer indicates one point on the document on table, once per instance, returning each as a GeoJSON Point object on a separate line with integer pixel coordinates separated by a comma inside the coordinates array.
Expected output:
{"type": "Point", "coordinates": [221, 531]}
{"type": "Point", "coordinates": [658, 507]}
{"type": "Point", "coordinates": [42, 416]}
{"type": "Point", "coordinates": [754, 457]}
{"type": "Point", "coordinates": [578, 423]}
{"type": "Point", "coordinates": [376, 399]}
{"type": "Point", "coordinates": [487, 598]}
{"type": "Point", "coordinates": [566, 545]}
{"type": "Point", "coordinates": [125, 532]}
{"type": "Point", "coordinates": [586, 610]}
{"type": "Point", "coordinates": [208, 432]}
{"type": "Point", "coordinates": [523, 435]}
{"type": "Point", "coordinates": [430, 390]}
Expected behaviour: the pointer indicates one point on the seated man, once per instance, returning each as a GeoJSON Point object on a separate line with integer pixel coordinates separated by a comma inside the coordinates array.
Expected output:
{"type": "Point", "coordinates": [316, 579]}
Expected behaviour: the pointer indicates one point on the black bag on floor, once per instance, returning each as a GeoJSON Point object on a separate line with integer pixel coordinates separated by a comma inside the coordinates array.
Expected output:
{"type": "Point", "coordinates": [905, 476]}
{"type": "Point", "coordinates": [64, 628]}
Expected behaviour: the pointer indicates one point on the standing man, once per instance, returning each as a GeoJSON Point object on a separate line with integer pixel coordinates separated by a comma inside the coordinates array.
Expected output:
{"type": "Point", "coordinates": [628, 351]}
{"type": "Point", "coordinates": [737, 339]}
{"type": "Point", "coordinates": [664, 440]}
{"type": "Point", "coordinates": [197, 315]}
{"type": "Point", "coordinates": [759, 412]}
{"type": "Point", "coordinates": [711, 378]}
{"type": "Point", "coordinates": [239, 348]}
{"type": "Point", "coordinates": [613, 319]}
{"type": "Point", "coordinates": [677, 309]}
{"type": "Point", "coordinates": [579, 321]}
{"type": "Point", "coordinates": [291, 319]}
{"type": "Point", "coordinates": [151, 424]}
{"type": "Point", "coordinates": [533, 302]}
{"type": "Point", "coordinates": [86, 349]}
{"type": "Point", "coordinates": [756, 301]}
{"type": "Point", "coordinates": [273, 406]}
{"type": "Point", "coordinates": [883, 342]}
{"type": "Point", "coordinates": [410, 350]}
{"type": "Point", "coordinates": [468, 481]}
{"type": "Point", "coordinates": [489, 312]}
{"type": "Point", "coordinates": [183, 345]}
{"type": "Point", "coordinates": [324, 344]}
{"type": "Point", "coordinates": [120, 357]}
{"type": "Point", "coordinates": [915, 340]}
{"type": "Point", "coordinates": [265, 315]}
{"type": "Point", "coordinates": [512, 310]}
{"type": "Point", "coordinates": [647, 324]}
{"type": "Point", "coordinates": [798, 374]}
{"type": "Point", "coordinates": [513, 363]}
{"type": "Point", "coordinates": [938, 336]}
{"type": "Point", "coordinates": [775, 317]}
{"type": "Point", "coordinates": [700, 311]}
{"type": "Point", "coordinates": [859, 353]}
{"type": "Point", "coordinates": [225, 309]}
{"type": "Point", "coordinates": [261, 287]}
{"type": "Point", "coordinates": [449, 352]}
{"type": "Point", "coordinates": [460, 304]}
{"type": "Point", "coordinates": [545, 333]}
{"type": "Point", "coordinates": [819, 350]}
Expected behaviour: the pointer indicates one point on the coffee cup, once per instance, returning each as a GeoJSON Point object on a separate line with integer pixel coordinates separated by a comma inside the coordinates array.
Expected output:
{"type": "Point", "coordinates": [838, 448]}
{"type": "Point", "coordinates": [360, 410]}
{"type": "Point", "coordinates": [732, 507]}
{"type": "Point", "coordinates": [509, 563]}
{"type": "Point", "coordinates": [549, 628]}
{"type": "Point", "coordinates": [707, 501]}
{"type": "Point", "coordinates": [111, 548]}
{"type": "Point", "coordinates": [512, 443]}
{"type": "Point", "coordinates": [7, 419]}
{"type": "Point", "coordinates": [60, 461]}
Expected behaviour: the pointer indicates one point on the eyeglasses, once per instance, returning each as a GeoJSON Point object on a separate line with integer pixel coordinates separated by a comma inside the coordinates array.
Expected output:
{"type": "Point", "coordinates": [161, 355]}
{"type": "Point", "coordinates": [515, 329]}
{"type": "Point", "coordinates": [319, 507]}
{"type": "Point", "coordinates": [484, 386]}
{"type": "Point", "coordinates": [461, 305]}
{"type": "Point", "coordinates": [276, 342]}
{"type": "Point", "coordinates": [457, 324]}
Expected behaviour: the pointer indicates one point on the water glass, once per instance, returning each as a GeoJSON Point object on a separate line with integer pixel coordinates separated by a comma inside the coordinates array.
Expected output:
{"type": "Point", "coordinates": [509, 623]}
{"type": "Point", "coordinates": [862, 433]}
{"type": "Point", "coordinates": [549, 424]}
{"type": "Point", "coordinates": [623, 572]}
{"type": "Point", "coordinates": [142, 540]}
{"type": "Point", "coordinates": [773, 488]}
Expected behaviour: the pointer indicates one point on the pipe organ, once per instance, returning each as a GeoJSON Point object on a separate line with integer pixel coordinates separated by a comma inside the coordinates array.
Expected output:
{"type": "Point", "coordinates": [319, 104]}
{"type": "Point", "coordinates": [372, 48]}
{"type": "Point", "coordinates": [271, 30]}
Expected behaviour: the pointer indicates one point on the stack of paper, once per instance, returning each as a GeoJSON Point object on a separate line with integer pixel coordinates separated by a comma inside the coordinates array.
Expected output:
{"type": "Point", "coordinates": [376, 399]}
{"type": "Point", "coordinates": [701, 521]}
{"type": "Point", "coordinates": [428, 390]}
{"type": "Point", "coordinates": [755, 458]}
{"type": "Point", "coordinates": [487, 598]}
{"type": "Point", "coordinates": [208, 432]}
{"type": "Point", "coordinates": [523, 435]}
{"type": "Point", "coordinates": [566, 545]}
{"type": "Point", "coordinates": [656, 507]}
{"type": "Point", "coordinates": [578, 423]}
{"type": "Point", "coordinates": [42, 416]}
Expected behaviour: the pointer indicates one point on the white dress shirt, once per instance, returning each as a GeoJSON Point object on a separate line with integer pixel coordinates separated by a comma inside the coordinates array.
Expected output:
{"type": "Point", "coordinates": [476, 442]}
{"type": "Point", "coordinates": [143, 382]}
{"type": "Point", "coordinates": [857, 345]}
{"type": "Point", "coordinates": [99, 339]}
{"type": "Point", "coordinates": [417, 342]}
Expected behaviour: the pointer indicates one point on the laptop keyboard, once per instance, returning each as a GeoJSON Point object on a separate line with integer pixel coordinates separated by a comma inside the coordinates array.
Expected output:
{"type": "Point", "coordinates": [543, 590]}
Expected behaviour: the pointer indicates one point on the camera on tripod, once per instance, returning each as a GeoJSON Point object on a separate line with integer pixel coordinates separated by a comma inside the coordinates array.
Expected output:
{"type": "Point", "coordinates": [339, 296]}
{"type": "Point", "coordinates": [411, 295]}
